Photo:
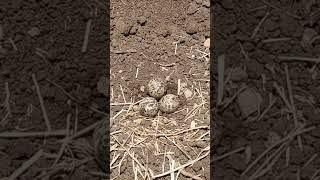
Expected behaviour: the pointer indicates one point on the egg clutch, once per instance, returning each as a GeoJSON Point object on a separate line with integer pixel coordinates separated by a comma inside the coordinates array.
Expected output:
{"type": "Point", "coordinates": [158, 99]}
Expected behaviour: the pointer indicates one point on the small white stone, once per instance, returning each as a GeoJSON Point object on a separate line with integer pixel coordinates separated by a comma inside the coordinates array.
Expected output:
{"type": "Point", "coordinates": [135, 108]}
{"type": "Point", "coordinates": [188, 93]}
{"type": "Point", "coordinates": [207, 43]}
{"type": "Point", "coordinates": [142, 88]}
{"type": "Point", "coordinates": [206, 73]}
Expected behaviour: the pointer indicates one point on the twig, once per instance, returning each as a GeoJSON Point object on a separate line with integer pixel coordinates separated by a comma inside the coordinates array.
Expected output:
{"type": "Point", "coordinates": [289, 136]}
{"type": "Point", "coordinates": [179, 87]}
{"type": "Point", "coordinates": [298, 58]}
{"type": "Point", "coordinates": [271, 103]}
{"type": "Point", "coordinates": [6, 105]}
{"type": "Point", "coordinates": [260, 171]}
{"type": "Point", "coordinates": [293, 108]}
{"type": "Point", "coordinates": [260, 24]}
{"type": "Point", "coordinates": [83, 131]}
{"type": "Point", "coordinates": [76, 119]}
{"type": "Point", "coordinates": [181, 167]}
{"type": "Point", "coordinates": [56, 133]}
{"type": "Point", "coordinates": [186, 154]}
{"type": "Point", "coordinates": [65, 143]}
{"type": "Point", "coordinates": [221, 60]}
{"type": "Point", "coordinates": [76, 100]}
{"type": "Point", "coordinates": [272, 40]}
{"type": "Point", "coordinates": [174, 134]}
{"type": "Point", "coordinates": [123, 96]}
{"type": "Point", "coordinates": [13, 44]}
{"type": "Point", "coordinates": [228, 154]}
{"type": "Point", "coordinates": [26, 165]}
{"type": "Point", "coordinates": [279, 9]}
{"type": "Point", "coordinates": [123, 51]}
{"type": "Point", "coordinates": [282, 95]}
{"type": "Point", "coordinates": [230, 100]}
{"type": "Point", "coordinates": [184, 172]}
{"type": "Point", "coordinates": [134, 158]}
{"type": "Point", "coordinates": [86, 36]}
{"type": "Point", "coordinates": [44, 111]}
{"type": "Point", "coordinates": [309, 161]}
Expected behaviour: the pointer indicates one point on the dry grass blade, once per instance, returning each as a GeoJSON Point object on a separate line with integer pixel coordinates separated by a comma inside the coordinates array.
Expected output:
{"type": "Point", "coordinates": [228, 154]}
{"type": "Point", "coordinates": [282, 95]}
{"type": "Point", "coordinates": [221, 60]}
{"type": "Point", "coordinates": [293, 107]}
{"type": "Point", "coordinates": [74, 99]}
{"type": "Point", "coordinates": [268, 168]}
{"type": "Point", "coordinates": [279, 9]}
{"type": "Point", "coordinates": [65, 143]}
{"type": "Point", "coordinates": [272, 40]}
{"type": "Point", "coordinates": [309, 161]}
{"type": "Point", "coordinates": [180, 167]}
{"type": "Point", "coordinates": [134, 158]}
{"type": "Point", "coordinates": [82, 132]}
{"type": "Point", "coordinates": [230, 100]}
{"type": "Point", "coordinates": [44, 134]}
{"type": "Point", "coordinates": [260, 171]}
{"type": "Point", "coordinates": [25, 165]}
{"type": "Point", "coordinates": [182, 171]}
{"type": "Point", "coordinates": [6, 105]}
{"type": "Point", "coordinates": [43, 108]}
{"type": "Point", "coordinates": [177, 133]}
{"type": "Point", "coordinates": [297, 58]}
{"type": "Point", "coordinates": [186, 154]}
{"type": "Point", "coordinates": [86, 36]}
{"type": "Point", "coordinates": [291, 135]}
{"type": "Point", "coordinates": [260, 24]}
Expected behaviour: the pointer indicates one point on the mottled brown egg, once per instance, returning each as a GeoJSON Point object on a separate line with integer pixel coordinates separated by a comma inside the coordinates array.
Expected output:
{"type": "Point", "coordinates": [101, 139]}
{"type": "Point", "coordinates": [148, 107]}
{"type": "Point", "coordinates": [169, 103]}
{"type": "Point", "coordinates": [156, 88]}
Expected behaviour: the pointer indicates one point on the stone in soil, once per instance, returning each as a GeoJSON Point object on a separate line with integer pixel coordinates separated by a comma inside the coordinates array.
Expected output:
{"type": "Point", "coordinates": [249, 102]}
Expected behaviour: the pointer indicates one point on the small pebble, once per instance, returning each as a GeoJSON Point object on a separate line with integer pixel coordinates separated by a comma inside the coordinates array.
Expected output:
{"type": "Point", "coordinates": [122, 27]}
{"type": "Point", "coordinates": [192, 9]}
{"type": "Point", "coordinates": [198, 1]}
{"type": "Point", "coordinates": [142, 20]}
{"type": "Point", "coordinates": [207, 43]}
{"type": "Point", "coordinates": [34, 32]}
{"type": "Point", "coordinates": [191, 27]}
{"type": "Point", "coordinates": [249, 101]}
{"type": "Point", "coordinates": [187, 93]}
{"type": "Point", "coordinates": [142, 88]}
{"type": "Point", "coordinates": [206, 3]}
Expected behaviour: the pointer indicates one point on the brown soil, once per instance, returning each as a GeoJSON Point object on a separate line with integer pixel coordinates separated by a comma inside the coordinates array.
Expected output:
{"type": "Point", "coordinates": [258, 62]}
{"type": "Point", "coordinates": [45, 38]}
{"type": "Point", "coordinates": [145, 32]}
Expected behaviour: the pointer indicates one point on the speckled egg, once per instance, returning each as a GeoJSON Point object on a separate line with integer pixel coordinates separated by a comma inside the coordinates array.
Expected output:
{"type": "Point", "coordinates": [156, 88]}
{"type": "Point", "coordinates": [169, 103]}
{"type": "Point", "coordinates": [148, 107]}
{"type": "Point", "coordinates": [101, 138]}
